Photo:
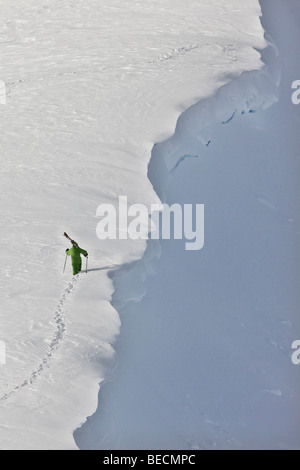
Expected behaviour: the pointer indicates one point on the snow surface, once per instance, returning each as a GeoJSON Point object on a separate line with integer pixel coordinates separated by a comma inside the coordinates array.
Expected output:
{"type": "Point", "coordinates": [203, 359]}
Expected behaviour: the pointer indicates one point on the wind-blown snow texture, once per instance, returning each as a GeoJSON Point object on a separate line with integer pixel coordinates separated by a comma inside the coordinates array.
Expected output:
{"type": "Point", "coordinates": [203, 360]}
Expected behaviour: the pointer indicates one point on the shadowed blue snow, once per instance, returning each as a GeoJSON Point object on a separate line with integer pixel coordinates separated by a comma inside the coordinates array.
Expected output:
{"type": "Point", "coordinates": [231, 117]}
{"type": "Point", "coordinates": [204, 359]}
{"type": "Point", "coordinates": [182, 159]}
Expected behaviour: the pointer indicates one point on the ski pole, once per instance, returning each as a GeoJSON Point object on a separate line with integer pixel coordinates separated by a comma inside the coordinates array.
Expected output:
{"type": "Point", "coordinates": [65, 263]}
{"type": "Point", "coordinates": [86, 263]}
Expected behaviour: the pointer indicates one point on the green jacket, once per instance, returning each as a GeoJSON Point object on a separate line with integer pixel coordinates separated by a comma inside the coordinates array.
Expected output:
{"type": "Point", "coordinates": [75, 253]}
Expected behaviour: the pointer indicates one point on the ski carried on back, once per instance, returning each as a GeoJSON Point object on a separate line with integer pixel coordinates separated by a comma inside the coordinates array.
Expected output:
{"type": "Point", "coordinates": [72, 241]}
{"type": "Point", "coordinates": [75, 256]}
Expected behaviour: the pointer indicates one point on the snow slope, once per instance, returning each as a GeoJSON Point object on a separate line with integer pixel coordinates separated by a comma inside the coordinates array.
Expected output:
{"type": "Point", "coordinates": [91, 86]}
{"type": "Point", "coordinates": [205, 356]}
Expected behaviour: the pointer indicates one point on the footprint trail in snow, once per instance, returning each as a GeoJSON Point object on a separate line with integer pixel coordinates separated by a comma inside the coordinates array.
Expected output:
{"type": "Point", "coordinates": [54, 343]}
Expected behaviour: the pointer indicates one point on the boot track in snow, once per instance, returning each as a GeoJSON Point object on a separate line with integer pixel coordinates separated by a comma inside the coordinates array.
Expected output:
{"type": "Point", "coordinates": [54, 343]}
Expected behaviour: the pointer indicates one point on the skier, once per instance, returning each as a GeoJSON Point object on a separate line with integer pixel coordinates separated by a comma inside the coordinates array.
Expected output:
{"type": "Point", "coordinates": [75, 253]}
